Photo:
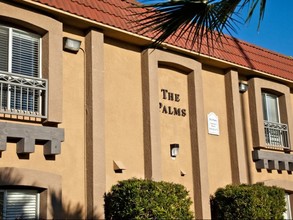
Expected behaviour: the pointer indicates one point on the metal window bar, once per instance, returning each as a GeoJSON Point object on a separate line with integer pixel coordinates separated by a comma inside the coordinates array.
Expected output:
{"type": "Point", "coordinates": [23, 95]}
{"type": "Point", "coordinates": [276, 135]}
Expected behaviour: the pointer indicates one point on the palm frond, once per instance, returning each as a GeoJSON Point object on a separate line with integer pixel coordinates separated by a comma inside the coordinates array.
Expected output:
{"type": "Point", "coordinates": [195, 20]}
{"type": "Point", "coordinates": [254, 3]}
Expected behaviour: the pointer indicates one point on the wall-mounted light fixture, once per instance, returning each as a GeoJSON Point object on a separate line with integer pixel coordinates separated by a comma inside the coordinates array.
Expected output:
{"type": "Point", "coordinates": [71, 45]}
{"type": "Point", "coordinates": [243, 87]}
{"type": "Point", "coordinates": [174, 150]}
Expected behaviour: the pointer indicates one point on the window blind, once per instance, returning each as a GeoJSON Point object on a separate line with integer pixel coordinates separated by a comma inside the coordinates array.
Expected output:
{"type": "Point", "coordinates": [25, 53]}
{"type": "Point", "coordinates": [21, 205]}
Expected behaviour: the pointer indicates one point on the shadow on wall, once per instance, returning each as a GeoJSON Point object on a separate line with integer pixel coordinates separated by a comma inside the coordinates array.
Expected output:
{"type": "Point", "coordinates": [69, 210]}
{"type": "Point", "coordinates": [59, 209]}
{"type": "Point", "coordinates": [7, 180]}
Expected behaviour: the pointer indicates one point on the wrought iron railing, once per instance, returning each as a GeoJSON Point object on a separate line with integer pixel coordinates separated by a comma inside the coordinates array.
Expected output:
{"type": "Point", "coordinates": [23, 95]}
{"type": "Point", "coordinates": [276, 135]}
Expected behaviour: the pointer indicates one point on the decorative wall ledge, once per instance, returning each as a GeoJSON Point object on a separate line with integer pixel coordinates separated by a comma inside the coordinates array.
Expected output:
{"type": "Point", "coordinates": [26, 136]}
{"type": "Point", "coordinates": [272, 160]}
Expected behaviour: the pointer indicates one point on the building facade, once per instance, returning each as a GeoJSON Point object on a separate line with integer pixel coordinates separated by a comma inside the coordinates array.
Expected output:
{"type": "Point", "coordinates": [75, 121]}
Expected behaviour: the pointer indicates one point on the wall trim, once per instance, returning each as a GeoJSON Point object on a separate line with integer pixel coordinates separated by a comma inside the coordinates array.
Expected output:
{"type": "Point", "coordinates": [26, 136]}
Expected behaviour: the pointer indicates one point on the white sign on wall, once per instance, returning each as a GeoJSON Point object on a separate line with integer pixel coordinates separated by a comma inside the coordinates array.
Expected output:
{"type": "Point", "coordinates": [213, 124]}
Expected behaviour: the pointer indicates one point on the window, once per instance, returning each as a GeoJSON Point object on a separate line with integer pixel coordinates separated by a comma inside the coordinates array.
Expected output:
{"type": "Point", "coordinates": [22, 91]}
{"type": "Point", "coordinates": [287, 213]}
{"type": "Point", "coordinates": [271, 122]}
{"type": "Point", "coordinates": [19, 204]}
{"type": "Point", "coordinates": [270, 107]}
{"type": "Point", "coordinates": [276, 133]}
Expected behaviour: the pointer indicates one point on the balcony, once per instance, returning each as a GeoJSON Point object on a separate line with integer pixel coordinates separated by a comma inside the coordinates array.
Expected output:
{"type": "Point", "coordinates": [276, 135]}
{"type": "Point", "coordinates": [23, 95]}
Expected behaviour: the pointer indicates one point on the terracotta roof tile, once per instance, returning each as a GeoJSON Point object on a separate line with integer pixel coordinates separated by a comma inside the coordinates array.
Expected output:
{"type": "Point", "coordinates": [119, 14]}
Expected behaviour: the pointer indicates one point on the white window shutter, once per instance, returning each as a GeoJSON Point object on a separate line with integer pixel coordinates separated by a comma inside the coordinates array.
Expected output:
{"type": "Point", "coordinates": [21, 204]}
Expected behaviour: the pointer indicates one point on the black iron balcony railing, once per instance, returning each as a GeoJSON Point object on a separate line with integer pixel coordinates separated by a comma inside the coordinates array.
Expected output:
{"type": "Point", "coordinates": [23, 95]}
{"type": "Point", "coordinates": [276, 135]}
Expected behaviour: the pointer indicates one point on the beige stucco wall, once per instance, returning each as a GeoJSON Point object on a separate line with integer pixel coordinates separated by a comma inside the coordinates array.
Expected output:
{"type": "Point", "coordinates": [123, 111]}
{"type": "Point", "coordinates": [175, 128]}
{"type": "Point", "coordinates": [72, 158]}
{"type": "Point", "coordinates": [219, 169]}
{"type": "Point", "coordinates": [65, 74]}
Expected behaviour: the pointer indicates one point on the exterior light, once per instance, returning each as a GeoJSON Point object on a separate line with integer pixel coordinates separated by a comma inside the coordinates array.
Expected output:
{"type": "Point", "coordinates": [174, 150]}
{"type": "Point", "coordinates": [118, 166]}
{"type": "Point", "coordinates": [243, 87]}
{"type": "Point", "coordinates": [71, 45]}
{"type": "Point", "coordinates": [182, 173]}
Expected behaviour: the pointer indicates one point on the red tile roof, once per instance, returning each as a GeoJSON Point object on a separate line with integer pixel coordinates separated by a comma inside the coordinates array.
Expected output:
{"type": "Point", "coordinates": [120, 14]}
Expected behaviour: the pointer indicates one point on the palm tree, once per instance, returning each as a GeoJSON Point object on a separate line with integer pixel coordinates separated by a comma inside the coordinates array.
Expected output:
{"type": "Point", "coordinates": [197, 20]}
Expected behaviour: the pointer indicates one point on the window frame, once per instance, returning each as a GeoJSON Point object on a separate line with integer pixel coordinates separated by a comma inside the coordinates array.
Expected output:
{"type": "Point", "coordinates": [256, 87]}
{"type": "Point", "coordinates": [11, 29]}
{"type": "Point", "coordinates": [51, 31]}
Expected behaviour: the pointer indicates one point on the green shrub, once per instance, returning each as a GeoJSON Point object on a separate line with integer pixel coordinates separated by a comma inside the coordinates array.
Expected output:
{"type": "Point", "coordinates": [248, 202]}
{"type": "Point", "coordinates": [146, 199]}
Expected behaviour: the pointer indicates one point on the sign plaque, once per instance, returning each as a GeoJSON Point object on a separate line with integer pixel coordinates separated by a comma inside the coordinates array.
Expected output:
{"type": "Point", "coordinates": [213, 124]}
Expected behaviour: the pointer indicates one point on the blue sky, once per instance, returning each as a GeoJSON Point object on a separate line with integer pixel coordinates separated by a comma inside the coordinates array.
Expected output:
{"type": "Point", "coordinates": [276, 29]}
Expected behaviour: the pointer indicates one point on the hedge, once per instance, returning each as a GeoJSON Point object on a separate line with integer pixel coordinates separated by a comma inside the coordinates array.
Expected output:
{"type": "Point", "coordinates": [147, 199]}
{"type": "Point", "coordinates": [248, 202]}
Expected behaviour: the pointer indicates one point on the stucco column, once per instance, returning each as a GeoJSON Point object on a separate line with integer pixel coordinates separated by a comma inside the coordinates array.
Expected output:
{"type": "Point", "coordinates": [198, 144]}
{"type": "Point", "coordinates": [95, 125]}
{"type": "Point", "coordinates": [235, 127]}
{"type": "Point", "coordinates": [152, 136]}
